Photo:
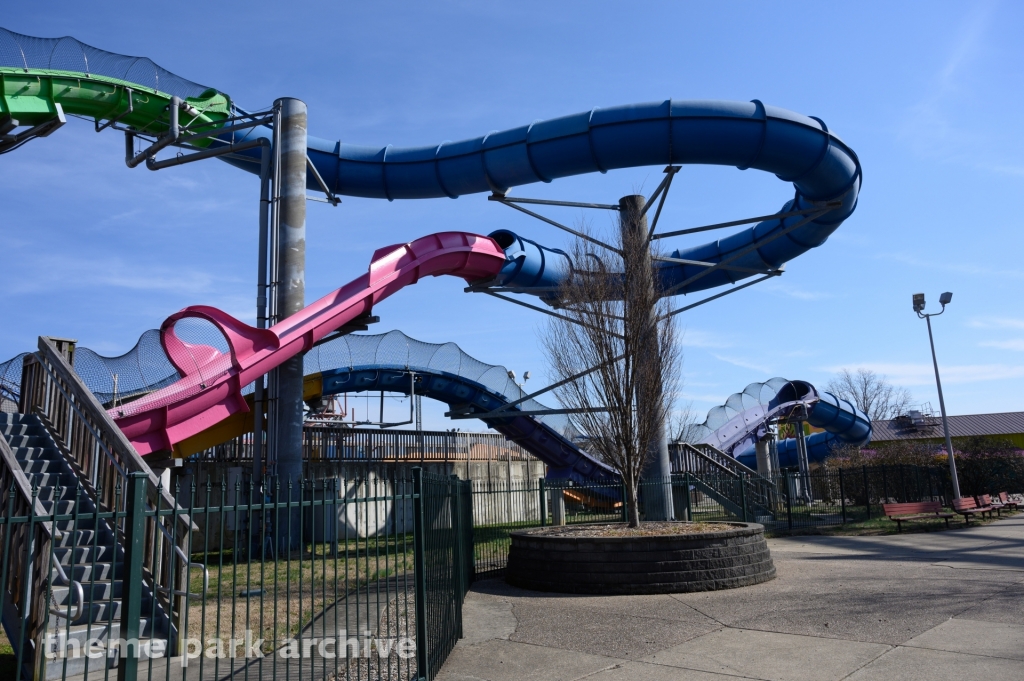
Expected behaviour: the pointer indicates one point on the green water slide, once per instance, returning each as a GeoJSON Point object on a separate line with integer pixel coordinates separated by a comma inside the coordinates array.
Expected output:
{"type": "Point", "coordinates": [43, 80]}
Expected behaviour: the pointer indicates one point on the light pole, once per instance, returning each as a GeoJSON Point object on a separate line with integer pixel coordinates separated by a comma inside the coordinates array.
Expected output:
{"type": "Point", "coordinates": [944, 300]}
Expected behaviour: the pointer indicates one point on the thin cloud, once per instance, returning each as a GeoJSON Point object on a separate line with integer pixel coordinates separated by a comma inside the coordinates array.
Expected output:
{"type": "Point", "coordinates": [996, 323]}
{"type": "Point", "coordinates": [960, 268]}
{"type": "Point", "coordinates": [797, 293]}
{"type": "Point", "coordinates": [742, 363]}
{"type": "Point", "coordinates": [696, 338]}
{"type": "Point", "coordinates": [1012, 344]}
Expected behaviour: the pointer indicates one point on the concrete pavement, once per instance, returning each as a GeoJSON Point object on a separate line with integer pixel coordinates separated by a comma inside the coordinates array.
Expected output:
{"type": "Point", "coordinates": [935, 606]}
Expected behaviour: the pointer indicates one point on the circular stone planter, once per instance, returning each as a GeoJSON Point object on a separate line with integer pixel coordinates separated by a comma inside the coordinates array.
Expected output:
{"type": "Point", "coordinates": [541, 560]}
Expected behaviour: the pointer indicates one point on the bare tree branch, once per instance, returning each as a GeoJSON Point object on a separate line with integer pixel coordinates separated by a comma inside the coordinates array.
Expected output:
{"type": "Point", "coordinates": [871, 393]}
{"type": "Point", "coordinates": [638, 353]}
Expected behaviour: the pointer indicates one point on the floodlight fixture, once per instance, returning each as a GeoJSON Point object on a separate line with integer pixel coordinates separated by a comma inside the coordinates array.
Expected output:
{"type": "Point", "coordinates": [918, 302]}
{"type": "Point", "coordinates": [512, 374]}
{"type": "Point", "coordinates": [945, 298]}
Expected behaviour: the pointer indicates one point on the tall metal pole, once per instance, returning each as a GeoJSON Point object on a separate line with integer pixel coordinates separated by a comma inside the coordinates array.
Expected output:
{"type": "Point", "coordinates": [942, 409]}
{"type": "Point", "coordinates": [291, 289]}
{"type": "Point", "coordinates": [259, 399]}
{"type": "Point", "coordinates": [658, 497]}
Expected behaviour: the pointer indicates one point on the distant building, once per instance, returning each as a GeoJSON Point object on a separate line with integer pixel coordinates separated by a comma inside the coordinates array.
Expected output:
{"type": "Point", "coordinates": [927, 428]}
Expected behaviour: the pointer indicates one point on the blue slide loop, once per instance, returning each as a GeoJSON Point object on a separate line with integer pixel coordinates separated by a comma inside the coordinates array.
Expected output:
{"type": "Point", "coordinates": [796, 148]}
{"type": "Point", "coordinates": [564, 459]}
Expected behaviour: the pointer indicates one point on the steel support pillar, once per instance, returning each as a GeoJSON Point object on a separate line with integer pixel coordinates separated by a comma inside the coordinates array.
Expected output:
{"type": "Point", "coordinates": [658, 496]}
{"type": "Point", "coordinates": [290, 254]}
{"type": "Point", "coordinates": [802, 461]}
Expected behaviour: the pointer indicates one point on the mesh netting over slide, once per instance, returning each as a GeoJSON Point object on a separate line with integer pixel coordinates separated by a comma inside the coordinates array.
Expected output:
{"type": "Point", "coordinates": [761, 393]}
{"type": "Point", "coordinates": [145, 367]}
{"type": "Point", "coordinates": [395, 350]}
{"type": "Point", "coordinates": [67, 54]}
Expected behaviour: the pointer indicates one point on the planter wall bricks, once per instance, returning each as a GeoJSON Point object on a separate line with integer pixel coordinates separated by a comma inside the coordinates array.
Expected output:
{"type": "Point", "coordinates": [541, 560]}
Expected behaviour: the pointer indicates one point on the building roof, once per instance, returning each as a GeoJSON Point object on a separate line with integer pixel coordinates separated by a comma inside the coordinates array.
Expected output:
{"type": "Point", "coordinates": [925, 427]}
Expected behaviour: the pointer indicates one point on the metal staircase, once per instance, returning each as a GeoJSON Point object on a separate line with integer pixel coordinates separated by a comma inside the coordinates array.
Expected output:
{"type": "Point", "coordinates": [91, 551]}
{"type": "Point", "coordinates": [87, 564]}
{"type": "Point", "coordinates": [737, 488]}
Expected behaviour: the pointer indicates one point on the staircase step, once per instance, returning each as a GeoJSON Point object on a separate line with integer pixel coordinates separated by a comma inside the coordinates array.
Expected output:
{"type": "Point", "coordinates": [87, 555]}
{"type": "Point", "coordinates": [73, 666]}
{"type": "Point", "coordinates": [63, 479]}
{"type": "Point", "coordinates": [92, 571]}
{"type": "Point", "coordinates": [9, 429]}
{"type": "Point", "coordinates": [100, 612]}
{"type": "Point", "coordinates": [61, 493]}
{"type": "Point", "coordinates": [17, 441]}
{"type": "Point", "coordinates": [83, 537]}
{"type": "Point", "coordinates": [86, 521]}
{"type": "Point", "coordinates": [63, 507]}
{"type": "Point", "coordinates": [36, 453]}
{"type": "Point", "coordinates": [43, 466]}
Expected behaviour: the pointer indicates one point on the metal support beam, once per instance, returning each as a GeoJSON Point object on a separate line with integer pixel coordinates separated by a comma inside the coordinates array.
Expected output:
{"type": "Point", "coordinates": [744, 251]}
{"type": "Point", "coordinates": [503, 200]}
{"type": "Point", "coordinates": [547, 312]}
{"type": "Point", "coordinates": [831, 205]}
{"type": "Point", "coordinates": [558, 384]}
{"type": "Point", "coordinates": [530, 412]}
{"type": "Point", "coordinates": [734, 289]}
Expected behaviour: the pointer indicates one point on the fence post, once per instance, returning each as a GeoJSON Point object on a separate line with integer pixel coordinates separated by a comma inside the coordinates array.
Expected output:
{"type": "Point", "coordinates": [842, 494]}
{"type": "Point", "coordinates": [743, 496]}
{"type": "Point", "coordinates": [885, 484]}
{"type": "Point", "coordinates": [420, 575]}
{"type": "Point", "coordinates": [789, 501]}
{"type": "Point", "coordinates": [625, 504]}
{"type": "Point", "coordinates": [686, 499]}
{"type": "Point", "coordinates": [543, 504]}
{"type": "Point", "coordinates": [867, 492]}
{"type": "Point", "coordinates": [131, 594]}
{"type": "Point", "coordinates": [458, 558]}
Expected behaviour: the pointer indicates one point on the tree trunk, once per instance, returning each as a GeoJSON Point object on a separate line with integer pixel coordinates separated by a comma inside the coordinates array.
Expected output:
{"type": "Point", "coordinates": [631, 505]}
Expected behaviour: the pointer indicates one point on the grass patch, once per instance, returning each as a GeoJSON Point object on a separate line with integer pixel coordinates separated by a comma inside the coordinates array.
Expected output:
{"type": "Point", "coordinates": [293, 590]}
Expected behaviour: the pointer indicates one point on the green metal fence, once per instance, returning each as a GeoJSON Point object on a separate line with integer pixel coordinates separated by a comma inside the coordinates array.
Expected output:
{"type": "Point", "coordinates": [782, 503]}
{"type": "Point", "coordinates": [339, 579]}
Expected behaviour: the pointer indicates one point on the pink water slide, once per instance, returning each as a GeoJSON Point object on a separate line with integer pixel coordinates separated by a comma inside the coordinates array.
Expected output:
{"type": "Point", "coordinates": [210, 388]}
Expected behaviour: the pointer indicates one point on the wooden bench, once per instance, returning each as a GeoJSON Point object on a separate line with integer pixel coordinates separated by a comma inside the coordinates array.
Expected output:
{"type": "Point", "coordinates": [921, 510]}
{"type": "Point", "coordinates": [986, 500]}
{"type": "Point", "coordinates": [966, 506]}
{"type": "Point", "coordinates": [1005, 499]}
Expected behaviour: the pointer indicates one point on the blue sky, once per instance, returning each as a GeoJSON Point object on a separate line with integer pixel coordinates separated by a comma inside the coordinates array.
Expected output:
{"type": "Point", "coordinates": [928, 93]}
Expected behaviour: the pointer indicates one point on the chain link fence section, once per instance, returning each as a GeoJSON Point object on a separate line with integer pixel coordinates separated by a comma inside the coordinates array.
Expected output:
{"type": "Point", "coordinates": [68, 54]}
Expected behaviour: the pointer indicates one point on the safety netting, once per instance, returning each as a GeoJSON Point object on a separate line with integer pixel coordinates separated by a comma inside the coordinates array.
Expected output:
{"type": "Point", "coordinates": [10, 383]}
{"type": "Point", "coordinates": [68, 54]}
{"type": "Point", "coordinates": [395, 350]}
{"type": "Point", "coordinates": [145, 368]}
{"type": "Point", "coordinates": [761, 394]}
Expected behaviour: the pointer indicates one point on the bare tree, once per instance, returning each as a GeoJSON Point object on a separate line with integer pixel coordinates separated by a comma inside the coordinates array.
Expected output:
{"type": "Point", "coordinates": [685, 425]}
{"type": "Point", "coordinates": [871, 393]}
{"type": "Point", "coordinates": [607, 303]}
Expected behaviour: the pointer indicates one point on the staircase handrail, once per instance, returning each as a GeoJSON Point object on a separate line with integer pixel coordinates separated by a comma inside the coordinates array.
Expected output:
{"type": "Point", "coordinates": [118, 450]}
{"type": "Point", "coordinates": [92, 442]}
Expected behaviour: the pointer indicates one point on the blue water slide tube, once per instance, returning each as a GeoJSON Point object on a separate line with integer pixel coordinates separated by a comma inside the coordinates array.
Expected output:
{"type": "Point", "coordinates": [743, 419]}
{"type": "Point", "coordinates": [564, 459]}
{"type": "Point", "coordinates": [799, 149]}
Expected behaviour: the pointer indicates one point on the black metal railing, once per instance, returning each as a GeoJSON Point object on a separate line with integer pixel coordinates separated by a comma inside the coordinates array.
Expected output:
{"type": "Point", "coordinates": [354, 579]}
{"type": "Point", "coordinates": [323, 443]}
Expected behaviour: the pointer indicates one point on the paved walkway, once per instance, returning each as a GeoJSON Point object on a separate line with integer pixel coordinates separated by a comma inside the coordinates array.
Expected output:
{"type": "Point", "coordinates": [933, 606]}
